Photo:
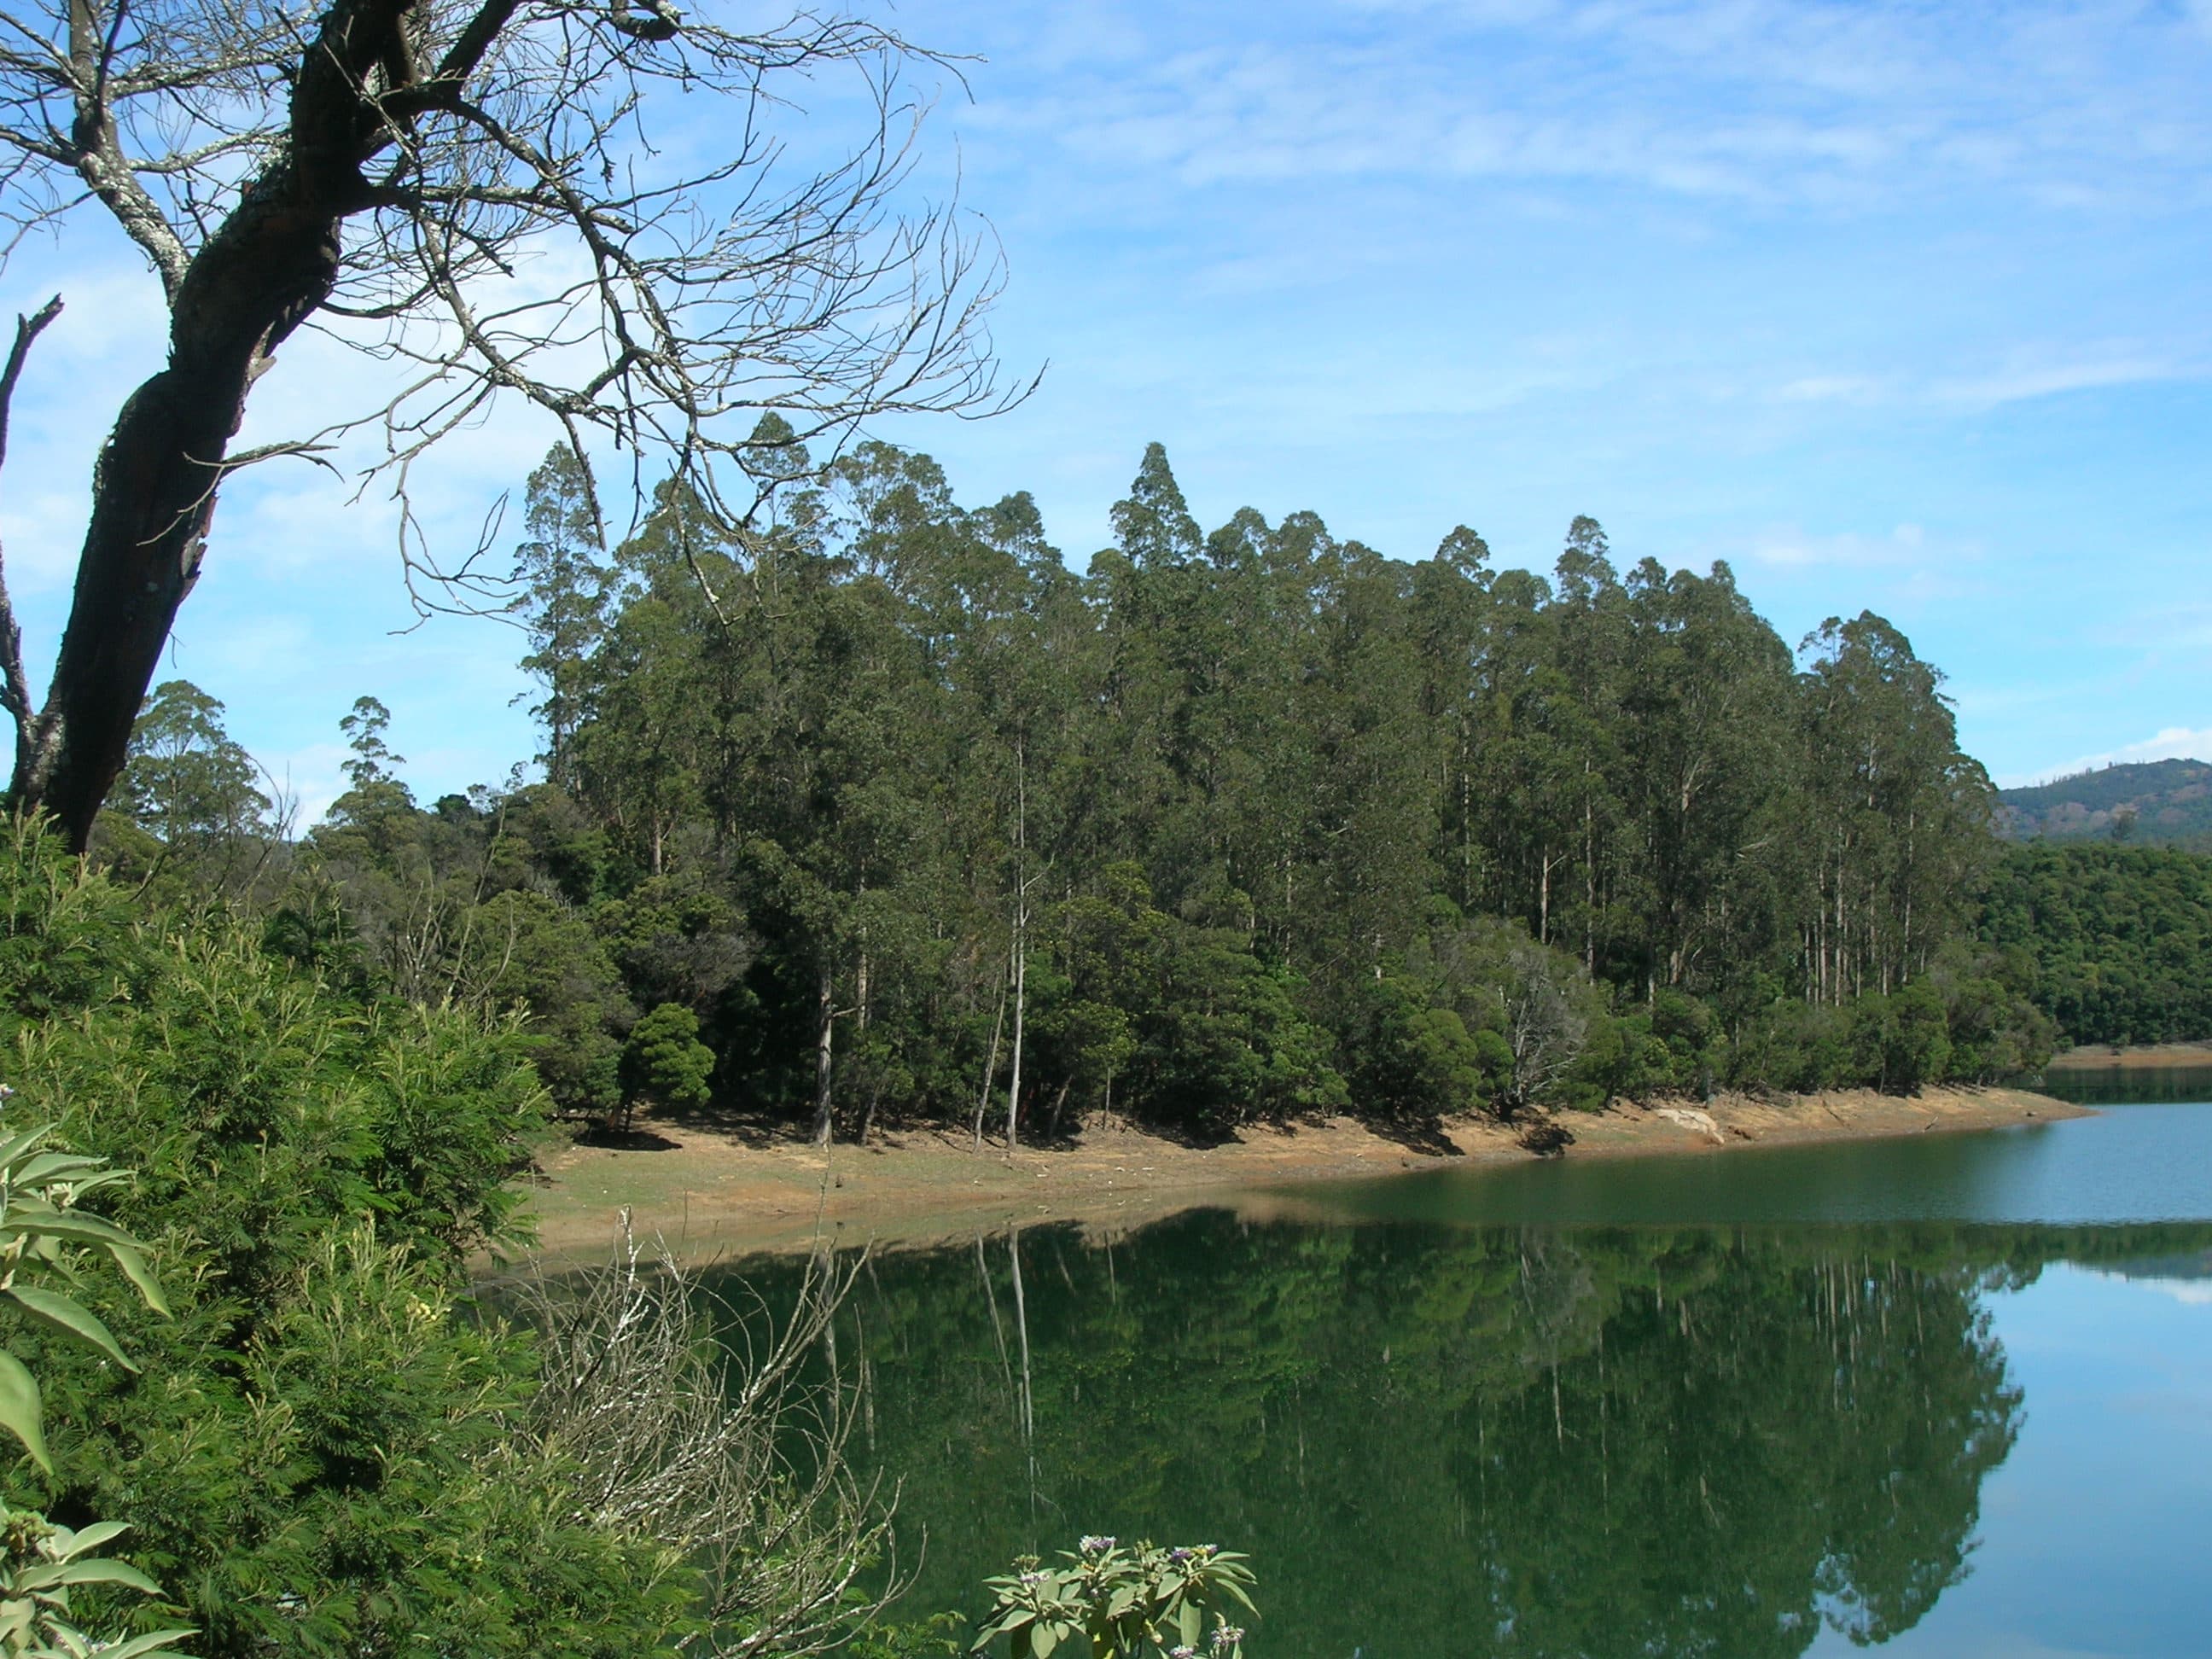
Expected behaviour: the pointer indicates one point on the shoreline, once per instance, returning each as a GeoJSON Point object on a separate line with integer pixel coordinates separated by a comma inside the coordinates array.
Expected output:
{"type": "Point", "coordinates": [727, 1190]}
{"type": "Point", "coordinates": [2138, 1057]}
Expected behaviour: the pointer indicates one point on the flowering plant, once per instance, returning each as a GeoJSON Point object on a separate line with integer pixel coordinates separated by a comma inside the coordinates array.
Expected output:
{"type": "Point", "coordinates": [1147, 1602]}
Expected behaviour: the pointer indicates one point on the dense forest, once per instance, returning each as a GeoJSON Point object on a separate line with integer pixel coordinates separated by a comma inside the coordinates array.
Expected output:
{"type": "Point", "coordinates": [2122, 937]}
{"type": "Point", "coordinates": [881, 809]}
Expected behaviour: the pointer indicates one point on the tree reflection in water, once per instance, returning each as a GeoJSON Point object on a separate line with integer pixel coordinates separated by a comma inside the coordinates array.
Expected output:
{"type": "Point", "coordinates": [1438, 1444]}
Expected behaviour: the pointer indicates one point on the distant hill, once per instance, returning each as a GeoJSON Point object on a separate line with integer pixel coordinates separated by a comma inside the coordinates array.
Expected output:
{"type": "Point", "coordinates": [2155, 803]}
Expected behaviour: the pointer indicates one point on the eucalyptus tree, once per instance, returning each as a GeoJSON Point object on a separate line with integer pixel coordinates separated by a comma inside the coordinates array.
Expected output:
{"type": "Point", "coordinates": [492, 199]}
{"type": "Point", "coordinates": [1147, 591]}
{"type": "Point", "coordinates": [187, 779]}
{"type": "Point", "coordinates": [1899, 837]}
{"type": "Point", "coordinates": [1593, 648]}
{"type": "Point", "coordinates": [642, 756]}
{"type": "Point", "coordinates": [565, 582]}
{"type": "Point", "coordinates": [1450, 614]}
{"type": "Point", "coordinates": [993, 705]}
{"type": "Point", "coordinates": [1375, 793]}
{"type": "Point", "coordinates": [1708, 712]}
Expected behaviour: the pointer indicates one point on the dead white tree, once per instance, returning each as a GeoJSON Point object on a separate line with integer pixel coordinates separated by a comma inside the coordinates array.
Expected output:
{"type": "Point", "coordinates": [584, 205]}
{"type": "Point", "coordinates": [1544, 1030]}
{"type": "Point", "coordinates": [715, 1429]}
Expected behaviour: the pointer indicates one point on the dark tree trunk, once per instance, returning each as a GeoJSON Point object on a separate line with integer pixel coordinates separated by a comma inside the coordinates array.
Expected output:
{"type": "Point", "coordinates": [153, 494]}
{"type": "Point", "coordinates": [272, 262]}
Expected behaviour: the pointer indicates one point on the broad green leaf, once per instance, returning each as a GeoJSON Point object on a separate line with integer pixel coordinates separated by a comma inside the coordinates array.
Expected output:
{"type": "Point", "coordinates": [16, 1146]}
{"type": "Point", "coordinates": [61, 1574]}
{"type": "Point", "coordinates": [66, 1316]}
{"type": "Point", "coordinates": [55, 1166]}
{"type": "Point", "coordinates": [68, 1223]}
{"type": "Point", "coordinates": [134, 1269]}
{"type": "Point", "coordinates": [19, 1408]}
{"type": "Point", "coordinates": [152, 1642]}
{"type": "Point", "coordinates": [92, 1537]}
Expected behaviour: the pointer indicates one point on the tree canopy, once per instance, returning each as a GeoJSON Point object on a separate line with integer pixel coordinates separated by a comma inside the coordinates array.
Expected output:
{"type": "Point", "coordinates": [916, 821]}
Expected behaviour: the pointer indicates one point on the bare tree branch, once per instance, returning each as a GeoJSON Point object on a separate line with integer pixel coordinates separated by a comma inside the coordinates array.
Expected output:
{"type": "Point", "coordinates": [476, 198]}
{"type": "Point", "coordinates": [719, 1427]}
{"type": "Point", "coordinates": [15, 687]}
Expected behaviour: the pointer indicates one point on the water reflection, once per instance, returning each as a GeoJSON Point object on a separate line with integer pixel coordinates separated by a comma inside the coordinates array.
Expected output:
{"type": "Point", "coordinates": [2115, 1085]}
{"type": "Point", "coordinates": [2132, 1162]}
{"type": "Point", "coordinates": [1480, 1440]}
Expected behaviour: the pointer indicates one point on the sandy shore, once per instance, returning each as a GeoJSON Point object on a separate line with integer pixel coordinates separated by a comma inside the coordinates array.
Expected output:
{"type": "Point", "coordinates": [2149, 1056]}
{"type": "Point", "coordinates": [725, 1190]}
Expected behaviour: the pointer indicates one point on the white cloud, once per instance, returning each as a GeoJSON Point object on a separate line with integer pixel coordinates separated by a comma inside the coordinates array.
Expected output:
{"type": "Point", "coordinates": [2025, 372]}
{"type": "Point", "coordinates": [2173, 743]}
{"type": "Point", "coordinates": [2020, 384]}
{"type": "Point", "coordinates": [2194, 1293]}
{"type": "Point", "coordinates": [1759, 99]}
{"type": "Point", "coordinates": [1906, 544]}
{"type": "Point", "coordinates": [1835, 389]}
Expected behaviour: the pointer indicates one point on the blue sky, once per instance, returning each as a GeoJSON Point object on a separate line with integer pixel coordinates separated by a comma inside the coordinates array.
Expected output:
{"type": "Point", "coordinates": [1899, 307]}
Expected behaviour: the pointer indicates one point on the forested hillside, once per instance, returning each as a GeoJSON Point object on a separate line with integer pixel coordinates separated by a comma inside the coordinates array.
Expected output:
{"type": "Point", "coordinates": [880, 809]}
{"type": "Point", "coordinates": [2155, 802]}
{"type": "Point", "coordinates": [2122, 938]}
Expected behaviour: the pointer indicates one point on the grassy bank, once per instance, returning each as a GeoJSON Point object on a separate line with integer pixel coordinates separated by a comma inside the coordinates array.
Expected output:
{"type": "Point", "coordinates": [735, 1188]}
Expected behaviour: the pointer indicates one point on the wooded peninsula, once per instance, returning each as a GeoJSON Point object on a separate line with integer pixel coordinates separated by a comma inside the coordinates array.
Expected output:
{"type": "Point", "coordinates": [881, 812]}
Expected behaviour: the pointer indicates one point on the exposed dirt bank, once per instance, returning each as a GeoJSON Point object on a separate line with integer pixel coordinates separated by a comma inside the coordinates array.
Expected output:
{"type": "Point", "coordinates": [2148, 1056]}
{"type": "Point", "coordinates": [733, 1190]}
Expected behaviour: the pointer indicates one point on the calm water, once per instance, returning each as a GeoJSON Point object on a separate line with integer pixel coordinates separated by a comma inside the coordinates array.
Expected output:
{"type": "Point", "coordinates": [1950, 1395]}
{"type": "Point", "coordinates": [2178, 1083]}
{"type": "Point", "coordinates": [2136, 1163]}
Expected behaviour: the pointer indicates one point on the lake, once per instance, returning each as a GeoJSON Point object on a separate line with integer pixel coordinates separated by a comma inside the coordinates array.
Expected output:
{"type": "Point", "coordinates": [1947, 1394]}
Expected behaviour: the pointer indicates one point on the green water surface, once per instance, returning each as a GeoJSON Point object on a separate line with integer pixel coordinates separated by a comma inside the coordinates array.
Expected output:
{"type": "Point", "coordinates": [1951, 1395]}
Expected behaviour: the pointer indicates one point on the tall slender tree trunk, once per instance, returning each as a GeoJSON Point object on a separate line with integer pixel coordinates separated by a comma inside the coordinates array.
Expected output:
{"type": "Point", "coordinates": [875, 1072]}
{"type": "Point", "coordinates": [825, 1029]}
{"type": "Point", "coordinates": [1014, 1077]}
{"type": "Point", "coordinates": [991, 1060]}
{"type": "Point", "coordinates": [1589, 877]}
{"type": "Point", "coordinates": [1021, 940]}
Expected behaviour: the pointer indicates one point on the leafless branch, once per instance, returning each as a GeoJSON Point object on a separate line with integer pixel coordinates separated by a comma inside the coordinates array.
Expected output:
{"type": "Point", "coordinates": [698, 1422]}
{"type": "Point", "coordinates": [600, 208]}
{"type": "Point", "coordinates": [15, 687]}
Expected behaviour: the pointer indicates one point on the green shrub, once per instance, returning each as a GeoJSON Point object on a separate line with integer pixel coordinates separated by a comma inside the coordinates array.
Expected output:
{"type": "Point", "coordinates": [1799, 1046]}
{"type": "Point", "coordinates": [664, 1061]}
{"type": "Point", "coordinates": [1405, 1058]}
{"type": "Point", "coordinates": [1900, 1042]}
{"type": "Point", "coordinates": [1148, 1602]}
{"type": "Point", "coordinates": [319, 1454]}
